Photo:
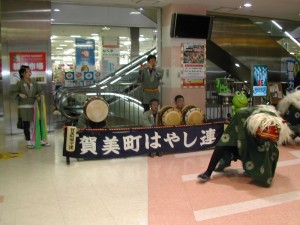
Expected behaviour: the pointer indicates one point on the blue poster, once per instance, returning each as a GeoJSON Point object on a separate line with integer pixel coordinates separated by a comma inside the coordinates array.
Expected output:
{"type": "Point", "coordinates": [85, 55]}
{"type": "Point", "coordinates": [260, 82]}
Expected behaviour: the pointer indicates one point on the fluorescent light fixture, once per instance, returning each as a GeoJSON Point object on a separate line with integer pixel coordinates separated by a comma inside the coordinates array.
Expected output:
{"type": "Point", "coordinates": [105, 28]}
{"type": "Point", "coordinates": [292, 53]}
{"type": "Point", "coordinates": [135, 13]}
{"type": "Point", "coordinates": [141, 9]}
{"type": "Point", "coordinates": [104, 80]}
{"type": "Point", "coordinates": [68, 41]}
{"type": "Point", "coordinates": [245, 81]}
{"type": "Point", "coordinates": [56, 10]}
{"type": "Point", "coordinates": [53, 36]}
{"type": "Point", "coordinates": [132, 70]}
{"type": "Point", "coordinates": [123, 37]}
{"type": "Point", "coordinates": [126, 97]}
{"type": "Point", "coordinates": [103, 87]}
{"type": "Point", "coordinates": [95, 34]}
{"type": "Point", "coordinates": [62, 45]}
{"type": "Point", "coordinates": [237, 65]}
{"type": "Point", "coordinates": [247, 5]}
{"type": "Point", "coordinates": [59, 48]}
{"type": "Point", "coordinates": [89, 94]}
{"type": "Point", "coordinates": [292, 38]}
{"type": "Point", "coordinates": [75, 36]}
{"type": "Point", "coordinates": [276, 24]}
{"type": "Point", "coordinates": [114, 81]}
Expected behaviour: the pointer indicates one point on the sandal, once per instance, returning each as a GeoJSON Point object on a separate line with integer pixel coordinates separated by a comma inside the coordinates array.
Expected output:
{"type": "Point", "coordinates": [46, 144]}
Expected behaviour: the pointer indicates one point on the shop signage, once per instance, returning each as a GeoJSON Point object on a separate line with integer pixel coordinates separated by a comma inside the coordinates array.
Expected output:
{"type": "Point", "coordinates": [35, 60]}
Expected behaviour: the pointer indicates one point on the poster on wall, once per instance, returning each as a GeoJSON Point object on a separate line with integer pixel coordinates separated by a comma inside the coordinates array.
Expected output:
{"type": "Point", "coordinates": [193, 65]}
{"type": "Point", "coordinates": [85, 57]}
{"type": "Point", "coordinates": [35, 60]}
{"type": "Point", "coordinates": [260, 80]}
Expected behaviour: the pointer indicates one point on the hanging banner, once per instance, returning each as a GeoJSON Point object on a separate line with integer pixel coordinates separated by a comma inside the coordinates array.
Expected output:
{"type": "Point", "coordinates": [35, 60]}
{"type": "Point", "coordinates": [85, 58]}
{"type": "Point", "coordinates": [193, 65]}
{"type": "Point", "coordinates": [260, 80]}
{"type": "Point", "coordinates": [115, 143]}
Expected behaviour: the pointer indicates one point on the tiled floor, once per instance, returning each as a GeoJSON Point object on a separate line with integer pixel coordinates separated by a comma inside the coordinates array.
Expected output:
{"type": "Point", "coordinates": [38, 188]}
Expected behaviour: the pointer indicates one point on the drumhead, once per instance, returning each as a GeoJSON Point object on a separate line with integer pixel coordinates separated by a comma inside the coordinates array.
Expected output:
{"type": "Point", "coordinates": [194, 116]}
{"type": "Point", "coordinates": [172, 117]}
{"type": "Point", "coordinates": [96, 109]}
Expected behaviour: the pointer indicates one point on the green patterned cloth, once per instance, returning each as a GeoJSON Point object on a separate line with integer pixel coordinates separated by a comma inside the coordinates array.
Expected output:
{"type": "Point", "coordinates": [292, 116]}
{"type": "Point", "coordinates": [259, 156]}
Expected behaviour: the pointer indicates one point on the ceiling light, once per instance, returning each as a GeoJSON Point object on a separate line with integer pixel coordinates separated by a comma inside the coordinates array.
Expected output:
{"type": "Point", "coordinates": [292, 38]}
{"type": "Point", "coordinates": [247, 5]}
{"type": "Point", "coordinates": [135, 13]}
{"type": "Point", "coordinates": [141, 9]}
{"type": "Point", "coordinates": [95, 34]}
{"type": "Point", "coordinates": [68, 41]}
{"type": "Point", "coordinates": [292, 53]}
{"type": "Point", "coordinates": [105, 28]}
{"type": "Point", "coordinates": [62, 45]}
{"type": "Point", "coordinates": [237, 65]}
{"type": "Point", "coordinates": [59, 48]}
{"type": "Point", "coordinates": [52, 20]}
{"type": "Point", "coordinates": [75, 36]}
{"type": "Point", "coordinates": [56, 10]}
{"type": "Point", "coordinates": [276, 24]}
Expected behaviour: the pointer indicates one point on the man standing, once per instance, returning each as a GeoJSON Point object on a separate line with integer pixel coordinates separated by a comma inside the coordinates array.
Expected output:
{"type": "Point", "coordinates": [150, 77]}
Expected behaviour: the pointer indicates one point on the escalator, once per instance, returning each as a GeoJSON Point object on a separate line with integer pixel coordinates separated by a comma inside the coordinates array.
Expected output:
{"type": "Point", "coordinates": [119, 89]}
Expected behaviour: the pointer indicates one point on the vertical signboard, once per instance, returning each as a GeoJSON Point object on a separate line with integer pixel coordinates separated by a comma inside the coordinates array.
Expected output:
{"type": "Point", "coordinates": [260, 80]}
{"type": "Point", "coordinates": [85, 60]}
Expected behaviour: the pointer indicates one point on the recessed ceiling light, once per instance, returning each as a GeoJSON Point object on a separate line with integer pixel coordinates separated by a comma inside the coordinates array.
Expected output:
{"type": "Point", "coordinates": [247, 5]}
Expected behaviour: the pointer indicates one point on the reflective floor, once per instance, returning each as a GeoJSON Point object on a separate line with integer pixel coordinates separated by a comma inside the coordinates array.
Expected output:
{"type": "Point", "coordinates": [38, 188]}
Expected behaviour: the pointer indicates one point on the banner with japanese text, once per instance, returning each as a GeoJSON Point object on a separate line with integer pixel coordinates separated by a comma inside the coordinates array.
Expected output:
{"type": "Point", "coordinates": [101, 143]}
{"type": "Point", "coordinates": [193, 65]}
{"type": "Point", "coordinates": [35, 60]}
{"type": "Point", "coordinates": [293, 67]}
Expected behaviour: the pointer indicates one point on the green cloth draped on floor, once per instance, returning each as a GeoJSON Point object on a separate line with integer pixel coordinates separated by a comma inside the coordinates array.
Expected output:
{"type": "Point", "coordinates": [259, 156]}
